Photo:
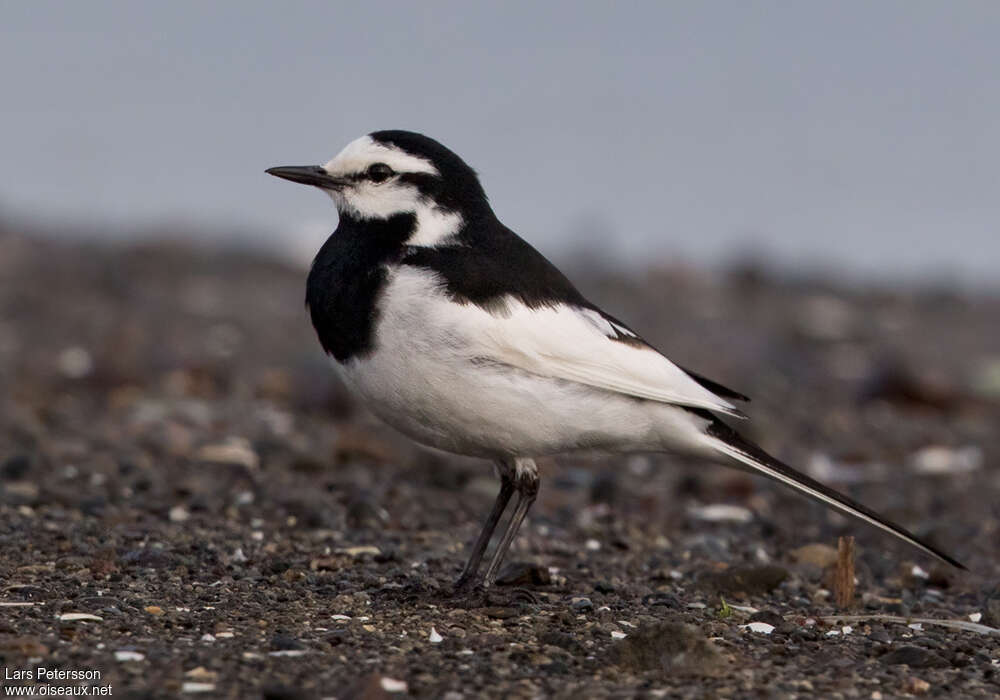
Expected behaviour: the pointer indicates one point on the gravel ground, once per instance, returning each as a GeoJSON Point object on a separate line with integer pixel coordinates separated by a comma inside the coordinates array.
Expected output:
{"type": "Point", "coordinates": [190, 503]}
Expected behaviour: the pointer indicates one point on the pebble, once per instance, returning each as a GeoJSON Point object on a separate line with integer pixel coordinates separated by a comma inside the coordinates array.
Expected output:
{"type": "Point", "coordinates": [126, 655]}
{"type": "Point", "coordinates": [914, 657]}
{"type": "Point", "coordinates": [758, 627]}
{"type": "Point", "coordinates": [154, 610]}
{"type": "Point", "coordinates": [194, 687]}
{"type": "Point", "coordinates": [75, 362]}
{"type": "Point", "coordinates": [940, 459]}
{"type": "Point", "coordinates": [991, 607]}
{"type": "Point", "coordinates": [79, 617]}
{"type": "Point", "coordinates": [236, 451]}
{"type": "Point", "coordinates": [391, 685]}
{"type": "Point", "coordinates": [15, 467]}
{"type": "Point", "coordinates": [916, 686]}
{"type": "Point", "coordinates": [200, 673]}
{"type": "Point", "coordinates": [519, 573]}
{"type": "Point", "coordinates": [721, 513]}
{"type": "Point", "coordinates": [736, 580]}
{"type": "Point", "coordinates": [581, 604]}
{"type": "Point", "coordinates": [434, 637]}
{"type": "Point", "coordinates": [668, 647]}
{"type": "Point", "coordinates": [817, 554]}
{"type": "Point", "coordinates": [179, 514]}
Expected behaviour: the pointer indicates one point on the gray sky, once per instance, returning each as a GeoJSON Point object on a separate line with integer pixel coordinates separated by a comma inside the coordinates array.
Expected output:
{"type": "Point", "coordinates": [858, 135]}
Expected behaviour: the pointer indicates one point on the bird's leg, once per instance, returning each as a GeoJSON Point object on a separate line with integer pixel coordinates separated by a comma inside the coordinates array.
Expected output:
{"type": "Point", "coordinates": [503, 498]}
{"type": "Point", "coordinates": [526, 483]}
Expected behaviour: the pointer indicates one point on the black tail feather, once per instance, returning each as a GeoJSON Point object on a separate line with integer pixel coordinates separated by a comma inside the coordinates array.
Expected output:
{"type": "Point", "coordinates": [760, 462]}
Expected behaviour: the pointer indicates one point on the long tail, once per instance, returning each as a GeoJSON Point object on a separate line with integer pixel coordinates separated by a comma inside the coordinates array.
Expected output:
{"type": "Point", "coordinates": [721, 437]}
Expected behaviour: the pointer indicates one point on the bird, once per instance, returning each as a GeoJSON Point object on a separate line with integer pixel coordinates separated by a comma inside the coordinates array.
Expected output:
{"type": "Point", "coordinates": [457, 332]}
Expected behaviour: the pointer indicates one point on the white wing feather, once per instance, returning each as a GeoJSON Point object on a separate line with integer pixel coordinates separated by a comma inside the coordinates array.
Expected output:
{"type": "Point", "coordinates": [575, 344]}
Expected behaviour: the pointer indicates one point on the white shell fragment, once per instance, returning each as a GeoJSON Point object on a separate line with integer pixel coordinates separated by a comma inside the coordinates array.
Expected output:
{"type": "Point", "coordinates": [391, 685]}
{"type": "Point", "coordinates": [193, 687]}
{"type": "Point", "coordinates": [125, 655]}
{"type": "Point", "coordinates": [721, 513]}
{"type": "Point", "coordinates": [758, 627]}
{"type": "Point", "coordinates": [79, 617]}
{"type": "Point", "coordinates": [434, 637]}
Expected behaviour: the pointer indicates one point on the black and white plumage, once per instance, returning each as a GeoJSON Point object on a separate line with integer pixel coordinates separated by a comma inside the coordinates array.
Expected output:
{"type": "Point", "coordinates": [457, 332]}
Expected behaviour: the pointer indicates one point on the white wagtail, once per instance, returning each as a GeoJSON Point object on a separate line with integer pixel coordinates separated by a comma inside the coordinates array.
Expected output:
{"type": "Point", "coordinates": [458, 333]}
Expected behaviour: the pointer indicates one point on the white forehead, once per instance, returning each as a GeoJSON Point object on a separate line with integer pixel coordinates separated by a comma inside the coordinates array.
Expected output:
{"type": "Point", "coordinates": [362, 152]}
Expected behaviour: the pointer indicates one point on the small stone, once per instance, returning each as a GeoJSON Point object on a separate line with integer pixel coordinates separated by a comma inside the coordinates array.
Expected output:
{"type": "Point", "coordinates": [740, 580]}
{"type": "Point", "coordinates": [991, 607]}
{"type": "Point", "coordinates": [179, 514]}
{"type": "Point", "coordinates": [817, 554]}
{"type": "Point", "coordinates": [434, 637]}
{"type": "Point", "coordinates": [236, 450]}
{"type": "Point", "coordinates": [670, 648]}
{"type": "Point", "coordinates": [914, 657]}
{"type": "Point", "coordinates": [75, 362]}
{"type": "Point", "coordinates": [940, 459]}
{"type": "Point", "coordinates": [154, 610]}
{"type": "Point", "coordinates": [518, 573]}
{"type": "Point", "coordinates": [581, 604]}
{"type": "Point", "coordinates": [391, 685]}
{"type": "Point", "coordinates": [721, 513]}
{"type": "Point", "coordinates": [79, 617]}
{"type": "Point", "coordinates": [15, 467]}
{"type": "Point", "coordinates": [359, 551]}
{"type": "Point", "coordinates": [758, 627]}
{"type": "Point", "coordinates": [22, 646]}
{"type": "Point", "coordinates": [200, 673]}
{"type": "Point", "coordinates": [916, 686]}
{"type": "Point", "coordinates": [194, 687]}
{"type": "Point", "coordinates": [126, 655]}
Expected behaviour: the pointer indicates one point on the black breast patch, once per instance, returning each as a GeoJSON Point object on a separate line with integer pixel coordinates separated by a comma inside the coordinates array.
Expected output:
{"type": "Point", "coordinates": [347, 278]}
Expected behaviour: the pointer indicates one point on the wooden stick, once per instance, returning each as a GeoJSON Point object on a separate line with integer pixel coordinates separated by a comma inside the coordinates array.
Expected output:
{"type": "Point", "coordinates": [843, 579]}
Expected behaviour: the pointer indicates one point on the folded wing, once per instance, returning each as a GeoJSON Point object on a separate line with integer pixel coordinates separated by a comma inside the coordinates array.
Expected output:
{"type": "Point", "coordinates": [585, 345]}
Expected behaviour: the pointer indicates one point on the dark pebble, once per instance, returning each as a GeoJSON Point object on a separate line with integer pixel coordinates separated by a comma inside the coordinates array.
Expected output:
{"type": "Point", "coordinates": [15, 467]}
{"type": "Point", "coordinates": [519, 573]}
{"type": "Point", "coordinates": [671, 648]}
{"type": "Point", "coordinates": [149, 558]}
{"type": "Point", "coordinates": [667, 600]}
{"type": "Point", "coordinates": [285, 642]}
{"type": "Point", "coordinates": [743, 580]}
{"type": "Point", "coordinates": [581, 604]}
{"type": "Point", "coordinates": [914, 657]}
{"type": "Point", "coordinates": [991, 607]}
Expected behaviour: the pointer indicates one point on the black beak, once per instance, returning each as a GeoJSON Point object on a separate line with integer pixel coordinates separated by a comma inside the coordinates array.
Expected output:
{"type": "Point", "coordinates": [307, 175]}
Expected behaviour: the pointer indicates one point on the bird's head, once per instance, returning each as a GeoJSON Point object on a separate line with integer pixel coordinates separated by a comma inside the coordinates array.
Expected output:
{"type": "Point", "coordinates": [394, 172]}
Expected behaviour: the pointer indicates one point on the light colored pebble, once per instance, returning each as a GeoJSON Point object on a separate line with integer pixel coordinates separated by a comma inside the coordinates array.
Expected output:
{"type": "Point", "coordinates": [79, 617]}
{"type": "Point", "coordinates": [391, 685]}
{"type": "Point", "coordinates": [721, 513]}
{"type": "Point", "coordinates": [434, 637]}
{"type": "Point", "coordinates": [193, 687]}
{"type": "Point", "coordinates": [126, 655]}
{"type": "Point", "coordinates": [758, 627]}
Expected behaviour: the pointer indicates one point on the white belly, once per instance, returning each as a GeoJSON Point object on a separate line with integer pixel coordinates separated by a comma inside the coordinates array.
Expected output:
{"type": "Point", "coordinates": [424, 379]}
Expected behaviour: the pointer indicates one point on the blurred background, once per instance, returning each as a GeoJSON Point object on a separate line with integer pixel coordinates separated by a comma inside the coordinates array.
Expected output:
{"type": "Point", "coordinates": [855, 137]}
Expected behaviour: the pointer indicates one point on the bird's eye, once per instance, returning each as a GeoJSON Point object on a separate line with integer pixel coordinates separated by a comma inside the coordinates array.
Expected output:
{"type": "Point", "coordinates": [379, 172]}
